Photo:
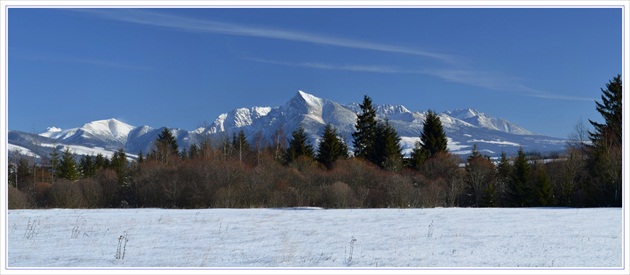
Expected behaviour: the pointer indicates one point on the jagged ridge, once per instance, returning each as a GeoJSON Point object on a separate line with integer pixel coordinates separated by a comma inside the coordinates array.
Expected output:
{"type": "Point", "coordinates": [464, 128]}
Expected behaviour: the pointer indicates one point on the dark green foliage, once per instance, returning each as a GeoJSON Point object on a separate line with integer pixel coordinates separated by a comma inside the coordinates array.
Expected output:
{"type": "Point", "coordinates": [519, 190]}
{"type": "Point", "coordinates": [386, 151]}
{"type": "Point", "coordinates": [331, 147]}
{"type": "Point", "coordinates": [119, 164]}
{"type": "Point", "coordinates": [298, 146]}
{"type": "Point", "coordinates": [544, 190]}
{"type": "Point", "coordinates": [54, 163]}
{"type": "Point", "coordinates": [67, 167]}
{"type": "Point", "coordinates": [87, 166]}
{"type": "Point", "coordinates": [490, 196]}
{"type": "Point", "coordinates": [364, 136]}
{"type": "Point", "coordinates": [587, 176]}
{"type": "Point", "coordinates": [611, 110]}
{"type": "Point", "coordinates": [604, 161]}
{"type": "Point", "coordinates": [432, 140]}
{"type": "Point", "coordinates": [504, 170]}
{"type": "Point", "coordinates": [240, 146]}
{"type": "Point", "coordinates": [165, 147]}
{"type": "Point", "coordinates": [101, 162]}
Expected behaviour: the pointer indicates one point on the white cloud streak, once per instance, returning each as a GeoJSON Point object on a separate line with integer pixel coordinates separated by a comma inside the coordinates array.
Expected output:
{"type": "Point", "coordinates": [207, 26]}
{"type": "Point", "coordinates": [76, 60]}
{"type": "Point", "coordinates": [488, 80]}
{"type": "Point", "coordinates": [323, 66]}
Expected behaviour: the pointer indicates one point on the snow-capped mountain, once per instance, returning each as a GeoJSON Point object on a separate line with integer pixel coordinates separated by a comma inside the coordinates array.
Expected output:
{"type": "Point", "coordinates": [100, 133]}
{"type": "Point", "coordinates": [480, 119]}
{"type": "Point", "coordinates": [464, 128]}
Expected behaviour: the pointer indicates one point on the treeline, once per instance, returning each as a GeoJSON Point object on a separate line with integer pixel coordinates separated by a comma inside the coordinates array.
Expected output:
{"type": "Point", "coordinates": [236, 172]}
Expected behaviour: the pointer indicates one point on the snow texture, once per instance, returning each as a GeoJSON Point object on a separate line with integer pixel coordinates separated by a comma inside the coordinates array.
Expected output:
{"type": "Point", "coordinates": [312, 238]}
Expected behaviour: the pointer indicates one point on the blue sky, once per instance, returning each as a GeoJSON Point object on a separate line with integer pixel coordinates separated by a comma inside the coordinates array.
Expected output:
{"type": "Point", "coordinates": [541, 68]}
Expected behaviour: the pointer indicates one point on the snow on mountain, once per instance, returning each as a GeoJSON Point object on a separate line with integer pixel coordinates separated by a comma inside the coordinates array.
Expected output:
{"type": "Point", "coordinates": [21, 150]}
{"type": "Point", "coordinates": [480, 119]}
{"type": "Point", "coordinates": [237, 118]}
{"type": "Point", "coordinates": [464, 129]}
{"type": "Point", "coordinates": [50, 131]}
{"type": "Point", "coordinates": [104, 133]}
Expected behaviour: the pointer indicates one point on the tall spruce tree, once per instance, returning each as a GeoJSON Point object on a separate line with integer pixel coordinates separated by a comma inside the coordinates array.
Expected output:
{"type": "Point", "coordinates": [67, 166]}
{"type": "Point", "coordinates": [432, 140]}
{"type": "Point", "coordinates": [386, 151]}
{"type": "Point", "coordinates": [119, 164]}
{"type": "Point", "coordinates": [87, 166]}
{"type": "Point", "coordinates": [604, 162]}
{"type": "Point", "coordinates": [544, 190]}
{"type": "Point", "coordinates": [298, 146]}
{"type": "Point", "coordinates": [240, 146]}
{"type": "Point", "coordinates": [166, 146]}
{"type": "Point", "coordinates": [610, 108]}
{"type": "Point", "coordinates": [519, 189]}
{"type": "Point", "coordinates": [54, 163]}
{"type": "Point", "coordinates": [364, 136]}
{"type": "Point", "coordinates": [331, 147]}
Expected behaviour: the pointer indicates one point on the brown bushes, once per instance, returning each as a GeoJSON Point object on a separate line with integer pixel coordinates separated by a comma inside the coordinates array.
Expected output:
{"type": "Point", "coordinates": [18, 199]}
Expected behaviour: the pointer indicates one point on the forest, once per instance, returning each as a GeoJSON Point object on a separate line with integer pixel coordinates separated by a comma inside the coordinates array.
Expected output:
{"type": "Point", "coordinates": [234, 172]}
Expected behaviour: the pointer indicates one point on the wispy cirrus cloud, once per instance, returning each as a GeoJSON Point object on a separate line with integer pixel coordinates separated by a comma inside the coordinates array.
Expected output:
{"type": "Point", "coordinates": [181, 23]}
{"type": "Point", "coordinates": [324, 66]}
{"type": "Point", "coordinates": [497, 82]}
{"type": "Point", "coordinates": [494, 81]}
{"type": "Point", "coordinates": [77, 60]}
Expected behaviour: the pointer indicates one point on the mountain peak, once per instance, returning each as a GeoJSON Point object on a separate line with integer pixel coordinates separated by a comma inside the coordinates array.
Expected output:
{"type": "Point", "coordinates": [50, 131]}
{"type": "Point", "coordinates": [308, 99]}
{"type": "Point", "coordinates": [465, 113]}
{"type": "Point", "coordinates": [114, 126]}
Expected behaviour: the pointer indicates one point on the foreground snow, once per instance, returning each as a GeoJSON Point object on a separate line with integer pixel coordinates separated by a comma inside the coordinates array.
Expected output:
{"type": "Point", "coordinates": [311, 237]}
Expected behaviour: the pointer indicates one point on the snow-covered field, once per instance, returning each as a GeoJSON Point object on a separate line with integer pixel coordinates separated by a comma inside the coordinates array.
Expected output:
{"type": "Point", "coordinates": [543, 238]}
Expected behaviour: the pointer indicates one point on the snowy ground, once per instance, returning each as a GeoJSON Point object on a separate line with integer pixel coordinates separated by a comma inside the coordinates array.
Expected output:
{"type": "Point", "coordinates": [305, 237]}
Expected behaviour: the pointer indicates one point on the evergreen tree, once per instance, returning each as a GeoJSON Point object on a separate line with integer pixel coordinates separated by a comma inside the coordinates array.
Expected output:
{"type": "Point", "coordinates": [364, 136]}
{"type": "Point", "coordinates": [119, 165]}
{"type": "Point", "coordinates": [166, 147]}
{"type": "Point", "coordinates": [67, 166]}
{"type": "Point", "coordinates": [490, 196]}
{"type": "Point", "coordinates": [54, 162]}
{"type": "Point", "coordinates": [544, 190]}
{"type": "Point", "coordinates": [87, 166]}
{"type": "Point", "coordinates": [504, 170]}
{"type": "Point", "coordinates": [604, 162]}
{"type": "Point", "coordinates": [101, 162]}
{"type": "Point", "coordinates": [386, 151]}
{"type": "Point", "coordinates": [240, 145]}
{"type": "Point", "coordinates": [432, 140]}
{"type": "Point", "coordinates": [611, 111]}
{"type": "Point", "coordinates": [298, 146]}
{"type": "Point", "coordinates": [331, 147]}
{"type": "Point", "coordinates": [24, 174]}
{"type": "Point", "coordinates": [518, 189]}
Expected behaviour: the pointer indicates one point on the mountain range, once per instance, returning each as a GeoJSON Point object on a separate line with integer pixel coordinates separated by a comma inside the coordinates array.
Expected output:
{"type": "Point", "coordinates": [464, 128]}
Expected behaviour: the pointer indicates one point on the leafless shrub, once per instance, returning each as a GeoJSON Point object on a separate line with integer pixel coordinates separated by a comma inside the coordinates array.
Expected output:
{"type": "Point", "coordinates": [18, 199]}
{"type": "Point", "coordinates": [66, 194]}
